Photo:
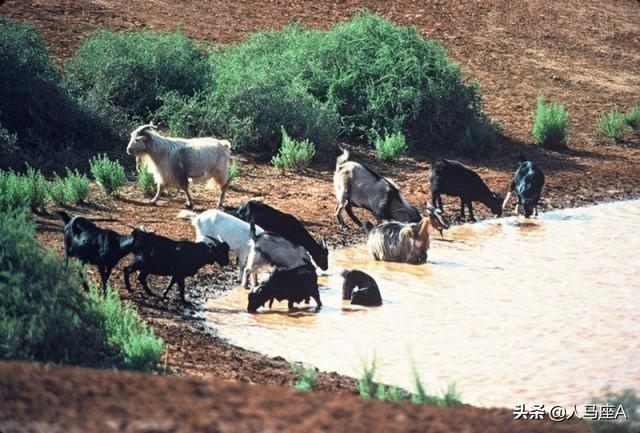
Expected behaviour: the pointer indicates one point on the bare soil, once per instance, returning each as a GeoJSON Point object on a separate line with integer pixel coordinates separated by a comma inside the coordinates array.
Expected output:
{"type": "Point", "coordinates": [585, 54]}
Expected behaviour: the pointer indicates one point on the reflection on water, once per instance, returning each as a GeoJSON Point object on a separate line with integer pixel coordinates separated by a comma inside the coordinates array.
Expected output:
{"type": "Point", "coordinates": [511, 311]}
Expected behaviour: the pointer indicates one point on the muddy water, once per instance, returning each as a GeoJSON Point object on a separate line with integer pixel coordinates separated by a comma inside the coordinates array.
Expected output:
{"type": "Point", "coordinates": [511, 311]}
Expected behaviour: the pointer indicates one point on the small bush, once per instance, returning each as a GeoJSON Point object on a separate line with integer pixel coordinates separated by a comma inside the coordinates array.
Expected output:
{"type": "Point", "coordinates": [109, 175]}
{"type": "Point", "coordinates": [632, 118]}
{"type": "Point", "coordinates": [293, 154]}
{"type": "Point", "coordinates": [132, 343]}
{"type": "Point", "coordinates": [630, 401]}
{"type": "Point", "coordinates": [133, 71]}
{"type": "Point", "coordinates": [550, 125]}
{"type": "Point", "coordinates": [34, 104]}
{"type": "Point", "coordinates": [44, 317]}
{"type": "Point", "coordinates": [234, 171]}
{"type": "Point", "coordinates": [367, 388]}
{"type": "Point", "coordinates": [390, 146]}
{"type": "Point", "coordinates": [307, 377]}
{"type": "Point", "coordinates": [611, 125]}
{"type": "Point", "coordinates": [146, 181]}
{"type": "Point", "coordinates": [37, 189]}
{"type": "Point", "coordinates": [77, 186]}
{"type": "Point", "coordinates": [14, 193]}
{"type": "Point", "coordinates": [58, 190]}
{"type": "Point", "coordinates": [451, 397]}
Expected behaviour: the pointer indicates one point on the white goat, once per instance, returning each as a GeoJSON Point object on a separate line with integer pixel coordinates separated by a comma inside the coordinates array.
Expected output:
{"type": "Point", "coordinates": [271, 250]}
{"type": "Point", "coordinates": [230, 229]}
{"type": "Point", "coordinates": [173, 160]}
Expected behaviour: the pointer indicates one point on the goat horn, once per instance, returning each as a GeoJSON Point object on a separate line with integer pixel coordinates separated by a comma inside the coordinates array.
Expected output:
{"type": "Point", "coordinates": [423, 230]}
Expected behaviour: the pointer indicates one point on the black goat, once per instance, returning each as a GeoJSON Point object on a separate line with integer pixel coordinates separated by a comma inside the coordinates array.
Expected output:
{"type": "Point", "coordinates": [157, 255]}
{"type": "Point", "coordinates": [360, 288]}
{"type": "Point", "coordinates": [285, 225]}
{"type": "Point", "coordinates": [296, 285]}
{"type": "Point", "coordinates": [527, 183]}
{"type": "Point", "coordinates": [454, 179]}
{"type": "Point", "coordinates": [94, 245]}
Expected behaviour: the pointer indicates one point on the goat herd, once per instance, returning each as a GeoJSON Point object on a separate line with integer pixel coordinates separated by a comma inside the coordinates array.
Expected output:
{"type": "Point", "coordinates": [262, 237]}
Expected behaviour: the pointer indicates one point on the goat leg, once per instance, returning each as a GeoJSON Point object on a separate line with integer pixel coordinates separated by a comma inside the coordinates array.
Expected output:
{"type": "Point", "coordinates": [142, 279]}
{"type": "Point", "coordinates": [316, 297]}
{"type": "Point", "coordinates": [181, 286]}
{"type": "Point", "coordinates": [339, 208]}
{"type": "Point", "coordinates": [154, 200]}
{"type": "Point", "coordinates": [166, 289]}
{"type": "Point", "coordinates": [105, 273]}
{"type": "Point", "coordinates": [353, 217]}
{"type": "Point", "coordinates": [470, 206]}
{"type": "Point", "coordinates": [270, 302]}
{"type": "Point", "coordinates": [189, 202]}
{"type": "Point", "coordinates": [223, 190]}
{"type": "Point", "coordinates": [462, 209]}
{"type": "Point", "coordinates": [290, 305]}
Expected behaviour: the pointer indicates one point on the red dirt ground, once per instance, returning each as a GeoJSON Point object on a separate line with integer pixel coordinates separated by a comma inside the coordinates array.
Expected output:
{"type": "Point", "coordinates": [41, 398]}
{"type": "Point", "coordinates": [583, 53]}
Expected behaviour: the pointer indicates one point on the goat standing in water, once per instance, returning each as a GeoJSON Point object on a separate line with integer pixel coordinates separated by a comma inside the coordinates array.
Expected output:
{"type": "Point", "coordinates": [527, 183]}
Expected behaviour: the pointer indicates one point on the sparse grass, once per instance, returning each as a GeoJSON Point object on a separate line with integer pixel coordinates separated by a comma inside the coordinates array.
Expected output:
{"type": "Point", "coordinates": [550, 125]}
{"type": "Point", "coordinates": [369, 388]}
{"type": "Point", "coordinates": [234, 171]}
{"type": "Point", "coordinates": [146, 181]}
{"type": "Point", "coordinates": [77, 186]}
{"type": "Point", "coordinates": [109, 174]}
{"type": "Point", "coordinates": [293, 154]}
{"type": "Point", "coordinates": [390, 146]}
{"type": "Point", "coordinates": [630, 401]}
{"type": "Point", "coordinates": [307, 377]}
{"type": "Point", "coordinates": [632, 118]}
{"type": "Point", "coordinates": [611, 125]}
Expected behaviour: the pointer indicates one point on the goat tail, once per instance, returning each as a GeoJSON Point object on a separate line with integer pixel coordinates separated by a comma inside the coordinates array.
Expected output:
{"type": "Point", "coordinates": [64, 216]}
{"type": "Point", "coordinates": [186, 214]}
{"type": "Point", "coordinates": [344, 157]}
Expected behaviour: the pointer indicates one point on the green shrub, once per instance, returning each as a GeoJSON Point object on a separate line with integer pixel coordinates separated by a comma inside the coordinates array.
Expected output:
{"type": "Point", "coordinates": [37, 189]}
{"type": "Point", "coordinates": [632, 118]}
{"type": "Point", "coordinates": [307, 377]}
{"type": "Point", "coordinates": [13, 191]}
{"type": "Point", "coordinates": [109, 175]}
{"type": "Point", "coordinates": [77, 186]}
{"type": "Point", "coordinates": [58, 190]}
{"type": "Point", "coordinates": [293, 154]}
{"type": "Point", "coordinates": [44, 317]}
{"type": "Point", "coordinates": [234, 171]}
{"type": "Point", "coordinates": [134, 70]}
{"type": "Point", "coordinates": [146, 181]}
{"type": "Point", "coordinates": [390, 146]}
{"type": "Point", "coordinates": [550, 125]}
{"type": "Point", "coordinates": [611, 125]}
{"type": "Point", "coordinates": [363, 75]}
{"type": "Point", "coordinates": [133, 344]}
{"type": "Point", "coordinates": [451, 397]}
{"type": "Point", "coordinates": [34, 105]}
{"type": "Point", "coordinates": [630, 401]}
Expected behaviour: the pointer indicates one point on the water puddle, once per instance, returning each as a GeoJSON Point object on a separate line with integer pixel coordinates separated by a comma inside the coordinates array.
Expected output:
{"type": "Point", "coordinates": [544, 311]}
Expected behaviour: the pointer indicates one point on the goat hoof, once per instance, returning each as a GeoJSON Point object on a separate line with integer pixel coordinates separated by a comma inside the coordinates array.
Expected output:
{"type": "Point", "coordinates": [188, 205]}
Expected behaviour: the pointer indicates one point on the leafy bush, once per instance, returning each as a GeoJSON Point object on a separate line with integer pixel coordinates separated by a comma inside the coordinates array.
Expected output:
{"type": "Point", "coordinates": [146, 181]}
{"type": "Point", "coordinates": [44, 317]}
{"type": "Point", "coordinates": [77, 186]}
{"type": "Point", "coordinates": [22, 191]}
{"type": "Point", "coordinates": [611, 125]}
{"type": "Point", "coordinates": [550, 125]}
{"type": "Point", "coordinates": [390, 146]}
{"type": "Point", "coordinates": [363, 77]}
{"type": "Point", "coordinates": [234, 171]}
{"type": "Point", "coordinates": [630, 401]}
{"type": "Point", "coordinates": [34, 105]}
{"type": "Point", "coordinates": [109, 175]}
{"type": "Point", "coordinates": [632, 118]}
{"type": "Point", "coordinates": [58, 190]}
{"type": "Point", "coordinates": [37, 189]}
{"type": "Point", "coordinates": [13, 191]}
{"type": "Point", "coordinates": [293, 154]}
{"type": "Point", "coordinates": [134, 70]}
{"type": "Point", "coordinates": [307, 377]}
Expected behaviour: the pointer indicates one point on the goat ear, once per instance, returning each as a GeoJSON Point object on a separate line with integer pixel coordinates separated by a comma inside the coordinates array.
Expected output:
{"type": "Point", "coordinates": [323, 242]}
